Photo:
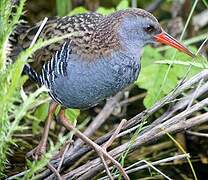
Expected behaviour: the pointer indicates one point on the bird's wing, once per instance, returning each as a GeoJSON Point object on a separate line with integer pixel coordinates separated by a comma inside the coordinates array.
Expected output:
{"type": "Point", "coordinates": [83, 23]}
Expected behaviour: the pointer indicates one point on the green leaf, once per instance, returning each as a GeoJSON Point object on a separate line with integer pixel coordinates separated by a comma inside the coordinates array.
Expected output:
{"type": "Point", "coordinates": [179, 55]}
{"type": "Point", "coordinates": [105, 11]}
{"type": "Point", "coordinates": [42, 111]}
{"type": "Point", "coordinates": [151, 79]}
{"type": "Point", "coordinates": [78, 10]}
{"type": "Point", "coordinates": [149, 56]}
{"type": "Point", "coordinates": [152, 74]}
{"type": "Point", "coordinates": [124, 4]}
{"type": "Point", "coordinates": [40, 114]}
{"type": "Point", "coordinates": [72, 114]}
{"type": "Point", "coordinates": [180, 69]}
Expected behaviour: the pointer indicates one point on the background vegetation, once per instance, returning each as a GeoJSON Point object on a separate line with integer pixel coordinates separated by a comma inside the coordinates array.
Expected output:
{"type": "Point", "coordinates": [23, 111]}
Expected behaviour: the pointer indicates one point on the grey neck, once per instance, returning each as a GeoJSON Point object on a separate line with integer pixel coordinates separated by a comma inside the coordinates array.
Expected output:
{"type": "Point", "coordinates": [130, 38]}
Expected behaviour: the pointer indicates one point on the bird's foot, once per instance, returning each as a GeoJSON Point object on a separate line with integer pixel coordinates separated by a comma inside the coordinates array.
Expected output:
{"type": "Point", "coordinates": [38, 151]}
{"type": "Point", "coordinates": [113, 137]}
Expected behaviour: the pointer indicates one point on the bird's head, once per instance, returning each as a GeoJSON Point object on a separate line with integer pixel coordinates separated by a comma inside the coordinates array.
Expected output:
{"type": "Point", "coordinates": [138, 28]}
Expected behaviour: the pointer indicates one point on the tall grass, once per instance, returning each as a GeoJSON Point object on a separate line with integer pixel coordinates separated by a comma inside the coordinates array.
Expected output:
{"type": "Point", "coordinates": [10, 80]}
{"type": "Point", "coordinates": [13, 103]}
{"type": "Point", "coordinates": [63, 7]}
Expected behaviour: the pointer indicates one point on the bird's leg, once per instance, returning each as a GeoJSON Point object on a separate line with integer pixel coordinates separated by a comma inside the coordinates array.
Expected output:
{"type": "Point", "coordinates": [100, 151]}
{"type": "Point", "coordinates": [41, 148]}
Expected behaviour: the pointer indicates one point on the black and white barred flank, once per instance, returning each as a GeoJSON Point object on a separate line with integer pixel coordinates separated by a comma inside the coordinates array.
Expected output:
{"type": "Point", "coordinates": [55, 67]}
{"type": "Point", "coordinates": [32, 74]}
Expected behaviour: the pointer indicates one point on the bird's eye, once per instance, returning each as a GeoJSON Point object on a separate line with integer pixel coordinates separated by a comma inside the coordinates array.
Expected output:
{"type": "Point", "coordinates": [149, 28]}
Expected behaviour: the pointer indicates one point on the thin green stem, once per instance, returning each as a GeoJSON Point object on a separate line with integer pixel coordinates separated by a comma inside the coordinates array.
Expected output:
{"type": "Point", "coordinates": [182, 149]}
{"type": "Point", "coordinates": [174, 54]}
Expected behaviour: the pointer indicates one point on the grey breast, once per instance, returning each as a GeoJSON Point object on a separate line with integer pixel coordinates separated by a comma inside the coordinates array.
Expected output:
{"type": "Point", "coordinates": [77, 83]}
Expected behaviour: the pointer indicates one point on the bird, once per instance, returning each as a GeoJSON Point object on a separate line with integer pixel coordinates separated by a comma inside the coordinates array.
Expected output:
{"type": "Point", "coordinates": [101, 59]}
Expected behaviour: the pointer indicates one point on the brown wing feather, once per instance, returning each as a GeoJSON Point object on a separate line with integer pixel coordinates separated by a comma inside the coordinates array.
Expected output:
{"type": "Point", "coordinates": [83, 23]}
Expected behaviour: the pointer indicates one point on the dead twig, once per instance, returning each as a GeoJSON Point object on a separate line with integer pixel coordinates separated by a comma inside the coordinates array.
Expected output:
{"type": "Point", "coordinates": [178, 106]}
{"type": "Point", "coordinates": [108, 143]}
{"type": "Point", "coordinates": [150, 136]}
{"type": "Point", "coordinates": [197, 134]}
{"type": "Point", "coordinates": [62, 157]}
{"type": "Point", "coordinates": [114, 135]}
{"type": "Point", "coordinates": [50, 166]}
{"type": "Point", "coordinates": [132, 168]}
{"type": "Point", "coordinates": [132, 99]}
{"type": "Point", "coordinates": [106, 167]}
{"type": "Point", "coordinates": [156, 169]}
{"type": "Point", "coordinates": [154, 133]}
